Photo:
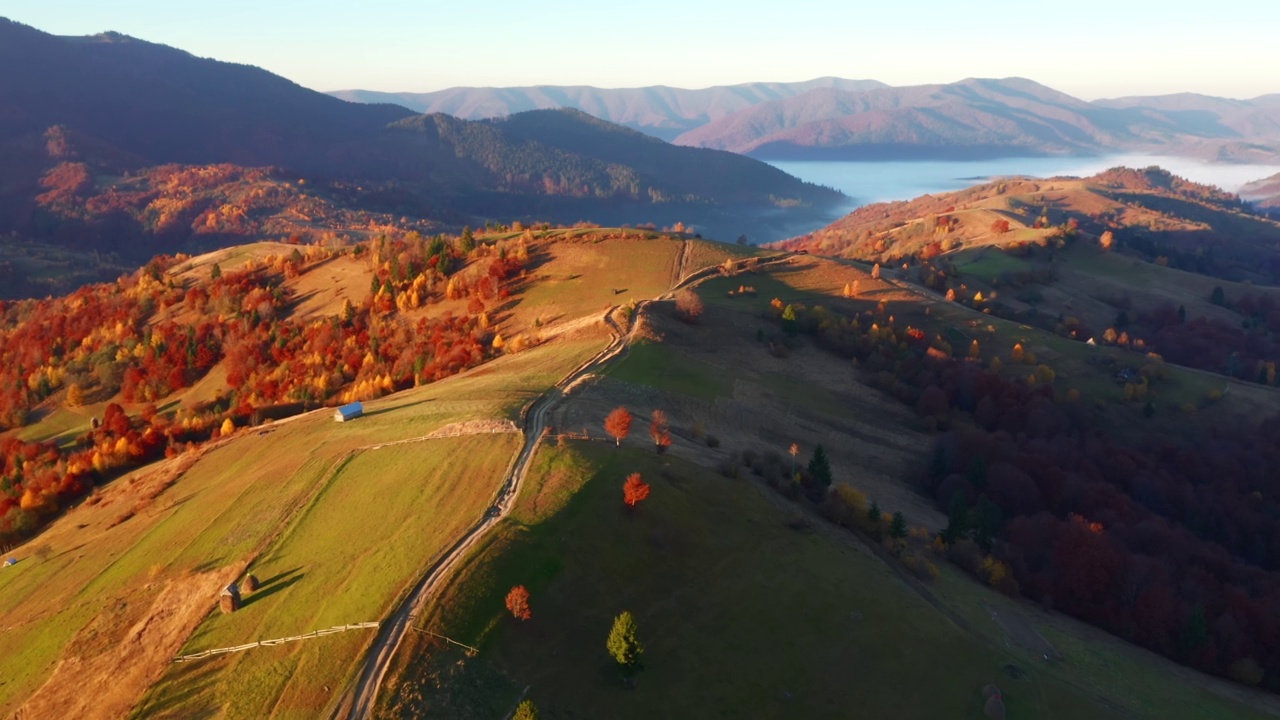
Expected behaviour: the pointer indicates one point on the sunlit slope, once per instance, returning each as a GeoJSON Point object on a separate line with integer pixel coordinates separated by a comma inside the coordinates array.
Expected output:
{"type": "Point", "coordinates": [336, 523]}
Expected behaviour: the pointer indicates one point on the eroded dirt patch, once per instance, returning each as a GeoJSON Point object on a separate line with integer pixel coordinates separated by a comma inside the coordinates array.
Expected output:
{"type": "Point", "coordinates": [119, 654]}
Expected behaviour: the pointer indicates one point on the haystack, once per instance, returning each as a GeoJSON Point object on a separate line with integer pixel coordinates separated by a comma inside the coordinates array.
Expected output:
{"type": "Point", "coordinates": [994, 709]}
{"type": "Point", "coordinates": [229, 599]}
{"type": "Point", "coordinates": [250, 584]}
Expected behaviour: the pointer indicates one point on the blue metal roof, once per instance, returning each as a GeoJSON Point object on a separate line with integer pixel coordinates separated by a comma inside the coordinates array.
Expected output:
{"type": "Point", "coordinates": [351, 410]}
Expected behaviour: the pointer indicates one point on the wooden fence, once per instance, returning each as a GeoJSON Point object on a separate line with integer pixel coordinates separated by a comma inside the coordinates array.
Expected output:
{"type": "Point", "coordinates": [276, 641]}
{"type": "Point", "coordinates": [470, 650]}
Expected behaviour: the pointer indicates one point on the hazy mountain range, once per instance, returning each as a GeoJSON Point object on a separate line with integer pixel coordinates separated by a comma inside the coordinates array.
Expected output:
{"type": "Point", "coordinates": [661, 111]}
{"type": "Point", "coordinates": [80, 115]}
{"type": "Point", "coordinates": [831, 118]}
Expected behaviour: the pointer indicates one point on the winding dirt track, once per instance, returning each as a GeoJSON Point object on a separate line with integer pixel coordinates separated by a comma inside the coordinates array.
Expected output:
{"type": "Point", "coordinates": [361, 699]}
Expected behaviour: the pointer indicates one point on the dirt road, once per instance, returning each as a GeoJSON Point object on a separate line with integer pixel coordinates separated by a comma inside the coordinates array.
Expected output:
{"type": "Point", "coordinates": [361, 699]}
{"type": "Point", "coordinates": [534, 422]}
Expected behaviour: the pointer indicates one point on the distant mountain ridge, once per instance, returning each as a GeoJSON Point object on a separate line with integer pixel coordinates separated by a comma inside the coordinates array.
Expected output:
{"type": "Point", "coordinates": [658, 110]}
{"type": "Point", "coordinates": [166, 105]}
{"type": "Point", "coordinates": [831, 118]}
{"type": "Point", "coordinates": [997, 115]}
{"type": "Point", "coordinates": [989, 117]}
{"type": "Point", "coordinates": [80, 115]}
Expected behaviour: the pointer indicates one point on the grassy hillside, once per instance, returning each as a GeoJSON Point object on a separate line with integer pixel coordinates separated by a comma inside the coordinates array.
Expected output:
{"type": "Point", "coordinates": [744, 607]}
{"type": "Point", "coordinates": [136, 568]}
{"type": "Point", "coordinates": [1135, 258]}
{"type": "Point", "coordinates": [749, 603]}
{"type": "Point", "coordinates": [420, 496]}
{"type": "Point", "coordinates": [296, 501]}
{"type": "Point", "coordinates": [749, 600]}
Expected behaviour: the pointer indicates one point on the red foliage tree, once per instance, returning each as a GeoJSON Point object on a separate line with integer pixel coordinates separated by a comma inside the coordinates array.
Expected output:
{"type": "Point", "coordinates": [518, 603]}
{"type": "Point", "coordinates": [618, 424]}
{"type": "Point", "coordinates": [634, 490]}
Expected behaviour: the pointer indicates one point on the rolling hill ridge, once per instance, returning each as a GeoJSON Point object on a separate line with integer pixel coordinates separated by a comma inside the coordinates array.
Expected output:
{"type": "Point", "coordinates": [1264, 193]}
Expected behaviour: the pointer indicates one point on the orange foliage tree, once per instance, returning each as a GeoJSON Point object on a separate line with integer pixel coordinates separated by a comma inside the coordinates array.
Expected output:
{"type": "Point", "coordinates": [634, 490]}
{"type": "Point", "coordinates": [518, 603]}
{"type": "Point", "coordinates": [660, 431]}
{"type": "Point", "coordinates": [618, 424]}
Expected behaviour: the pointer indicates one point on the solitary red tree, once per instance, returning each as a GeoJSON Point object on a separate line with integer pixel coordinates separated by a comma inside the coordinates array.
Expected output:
{"type": "Point", "coordinates": [660, 431]}
{"type": "Point", "coordinates": [618, 424]}
{"type": "Point", "coordinates": [518, 602]}
{"type": "Point", "coordinates": [634, 490]}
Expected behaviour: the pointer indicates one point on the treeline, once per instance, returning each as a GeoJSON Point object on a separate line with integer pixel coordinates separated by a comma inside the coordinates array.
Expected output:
{"type": "Point", "coordinates": [1171, 543]}
{"type": "Point", "coordinates": [148, 336]}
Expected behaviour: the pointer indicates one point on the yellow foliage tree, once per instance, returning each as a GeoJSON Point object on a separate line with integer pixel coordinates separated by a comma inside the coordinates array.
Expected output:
{"type": "Point", "coordinates": [994, 571]}
{"type": "Point", "coordinates": [228, 427]}
{"type": "Point", "coordinates": [1045, 374]}
{"type": "Point", "coordinates": [32, 500]}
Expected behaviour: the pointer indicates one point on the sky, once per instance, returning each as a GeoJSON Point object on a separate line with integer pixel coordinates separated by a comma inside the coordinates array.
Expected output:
{"type": "Point", "coordinates": [1087, 48]}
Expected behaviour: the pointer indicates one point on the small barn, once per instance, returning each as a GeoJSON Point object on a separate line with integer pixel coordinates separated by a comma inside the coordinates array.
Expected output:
{"type": "Point", "coordinates": [229, 599]}
{"type": "Point", "coordinates": [10, 561]}
{"type": "Point", "coordinates": [348, 412]}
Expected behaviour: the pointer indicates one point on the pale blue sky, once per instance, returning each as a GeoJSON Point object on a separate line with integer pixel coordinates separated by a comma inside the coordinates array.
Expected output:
{"type": "Point", "coordinates": [1089, 48]}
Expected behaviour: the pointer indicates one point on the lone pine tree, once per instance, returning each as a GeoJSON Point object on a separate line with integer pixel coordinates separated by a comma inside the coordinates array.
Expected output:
{"type": "Point", "coordinates": [820, 467]}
